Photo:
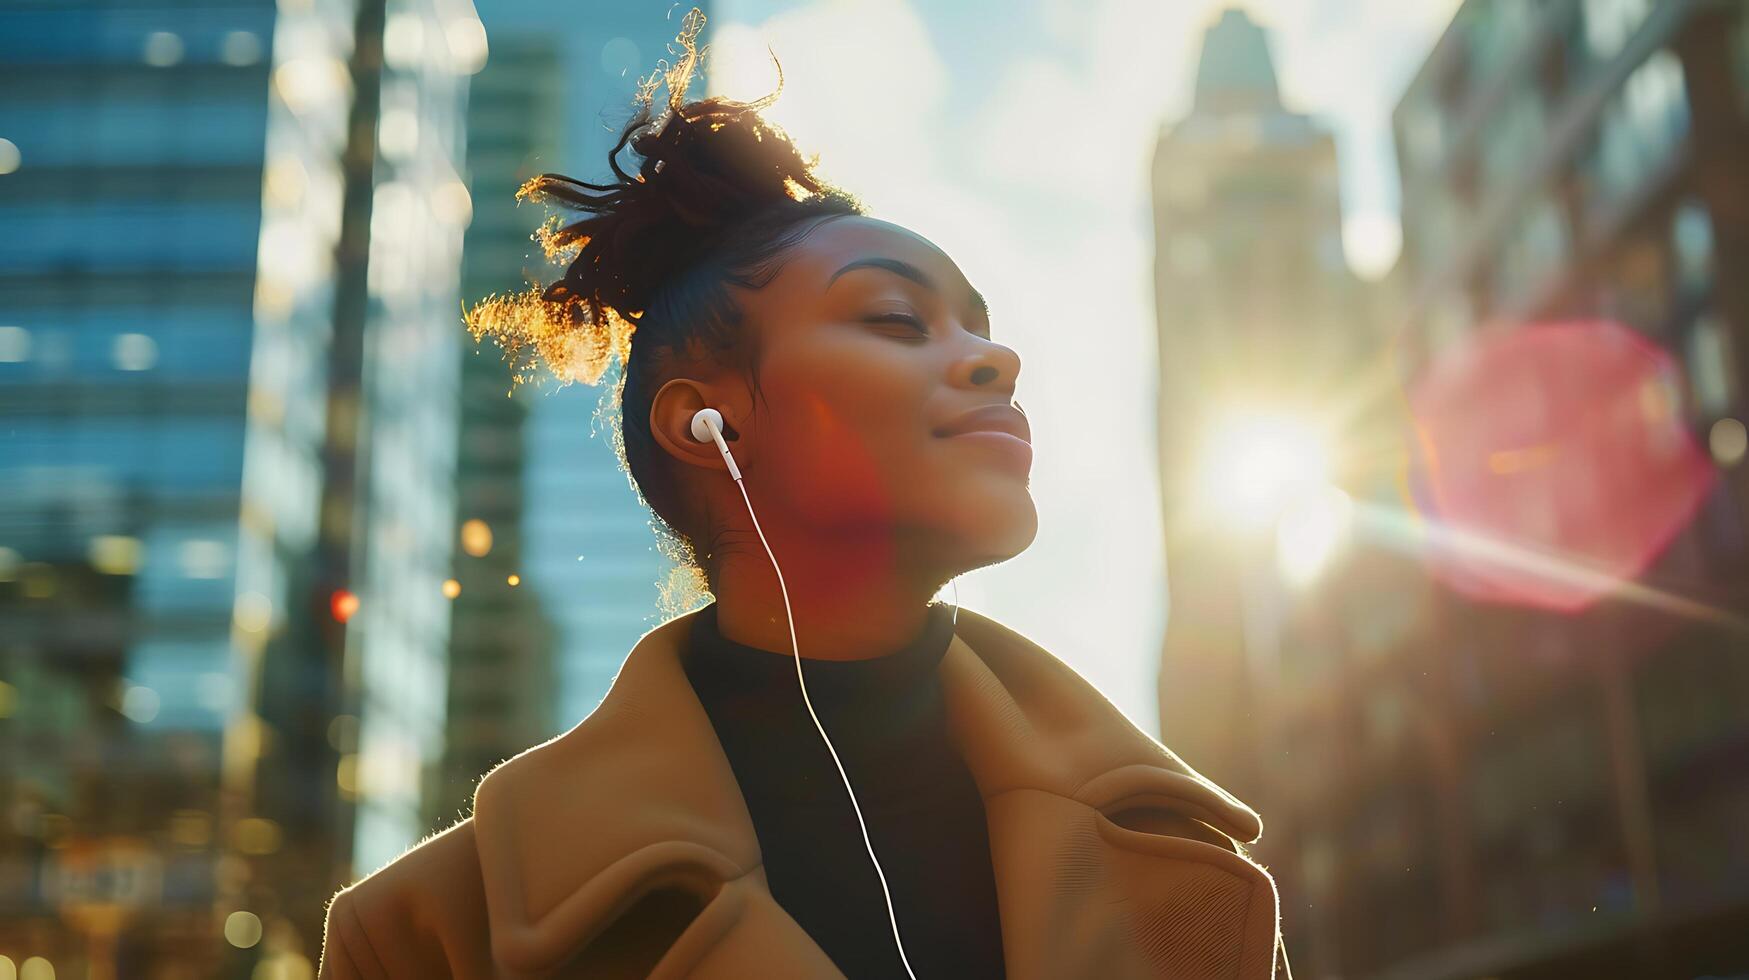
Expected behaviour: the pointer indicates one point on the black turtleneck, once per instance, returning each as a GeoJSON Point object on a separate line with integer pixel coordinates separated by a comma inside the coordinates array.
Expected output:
{"type": "Point", "coordinates": [886, 717]}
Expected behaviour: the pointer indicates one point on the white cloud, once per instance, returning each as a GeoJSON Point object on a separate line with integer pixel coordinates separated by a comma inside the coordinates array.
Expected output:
{"type": "Point", "coordinates": [862, 83]}
{"type": "Point", "coordinates": [1348, 63]}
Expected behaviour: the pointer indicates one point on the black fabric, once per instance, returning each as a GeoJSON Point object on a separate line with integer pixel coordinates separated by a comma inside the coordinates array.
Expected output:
{"type": "Point", "coordinates": [886, 717]}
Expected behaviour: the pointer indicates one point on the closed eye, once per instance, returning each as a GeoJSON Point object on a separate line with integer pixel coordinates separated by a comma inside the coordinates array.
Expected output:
{"type": "Point", "coordinates": [904, 318]}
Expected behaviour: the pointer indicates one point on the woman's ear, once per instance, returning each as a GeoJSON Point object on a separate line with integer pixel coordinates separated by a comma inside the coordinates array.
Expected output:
{"type": "Point", "coordinates": [671, 412]}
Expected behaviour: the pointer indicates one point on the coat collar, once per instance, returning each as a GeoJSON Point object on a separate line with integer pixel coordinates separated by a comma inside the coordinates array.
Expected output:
{"type": "Point", "coordinates": [568, 829]}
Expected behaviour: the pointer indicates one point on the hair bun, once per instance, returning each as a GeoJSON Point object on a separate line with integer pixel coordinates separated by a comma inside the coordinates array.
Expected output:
{"type": "Point", "coordinates": [712, 163]}
{"type": "Point", "coordinates": [705, 167]}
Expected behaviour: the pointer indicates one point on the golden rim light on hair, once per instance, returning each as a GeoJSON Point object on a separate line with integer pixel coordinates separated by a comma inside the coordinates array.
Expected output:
{"type": "Point", "coordinates": [577, 337]}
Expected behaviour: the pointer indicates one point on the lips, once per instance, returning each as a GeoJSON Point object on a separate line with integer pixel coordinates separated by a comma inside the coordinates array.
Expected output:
{"type": "Point", "coordinates": [990, 418]}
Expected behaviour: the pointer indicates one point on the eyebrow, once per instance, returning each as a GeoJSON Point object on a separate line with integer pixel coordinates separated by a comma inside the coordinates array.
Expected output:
{"type": "Point", "coordinates": [902, 268]}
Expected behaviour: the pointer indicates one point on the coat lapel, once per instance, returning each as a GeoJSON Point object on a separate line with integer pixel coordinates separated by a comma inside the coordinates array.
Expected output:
{"type": "Point", "coordinates": [1104, 843]}
{"type": "Point", "coordinates": [639, 796]}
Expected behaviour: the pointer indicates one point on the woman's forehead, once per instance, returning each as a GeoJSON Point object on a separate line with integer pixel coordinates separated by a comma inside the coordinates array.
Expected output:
{"type": "Point", "coordinates": [837, 242]}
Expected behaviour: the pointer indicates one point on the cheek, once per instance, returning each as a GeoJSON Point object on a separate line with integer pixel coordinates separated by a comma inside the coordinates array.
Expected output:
{"type": "Point", "coordinates": [885, 469]}
{"type": "Point", "coordinates": [839, 465]}
{"type": "Point", "coordinates": [849, 414]}
{"type": "Point", "coordinates": [837, 468]}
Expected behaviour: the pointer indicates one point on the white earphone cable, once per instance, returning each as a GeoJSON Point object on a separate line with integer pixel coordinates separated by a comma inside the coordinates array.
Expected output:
{"type": "Point", "coordinates": [886, 893]}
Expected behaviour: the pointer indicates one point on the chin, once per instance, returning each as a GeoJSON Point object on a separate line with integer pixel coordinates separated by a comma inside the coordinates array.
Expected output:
{"type": "Point", "coordinates": [1016, 533]}
{"type": "Point", "coordinates": [995, 527]}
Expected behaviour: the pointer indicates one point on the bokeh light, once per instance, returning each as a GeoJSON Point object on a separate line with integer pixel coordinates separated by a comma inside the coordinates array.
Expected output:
{"type": "Point", "coordinates": [116, 554]}
{"type": "Point", "coordinates": [1728, 441]}
{"type": "Point", "coordinates": [140, 704]}
{"type": "Point", "coordinates": [242, 929]}
{"type": "Point", "coordinates": [252, 612]}
{"type": "Point", "coordinates": [476, 537]}
{"type": "Point", "coordinates": [343, 605]}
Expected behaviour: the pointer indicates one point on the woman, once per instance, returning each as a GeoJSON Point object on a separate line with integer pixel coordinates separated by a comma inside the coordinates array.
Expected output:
{"type": "Point", "coordinates": [922, 791]}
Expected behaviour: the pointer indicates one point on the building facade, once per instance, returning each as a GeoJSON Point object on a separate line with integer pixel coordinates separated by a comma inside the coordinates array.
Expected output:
{"type": "Point", "coordinates": [503, 691]}
{"type": "Point", "coordinates": [1459, 788]}
{"type": "Point", "coordinates": [1583, 160]}
{"type": "Point", "coordinates": [228, 405]}
{"type": "Point", "coordinates": [349, 477]}
{"type": "Point", "coordinates": [131, 195]}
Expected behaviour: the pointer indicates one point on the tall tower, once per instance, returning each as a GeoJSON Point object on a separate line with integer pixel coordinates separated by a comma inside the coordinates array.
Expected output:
{"type": "Point", "coordinates": [349, 465]}
{"type": "Point", "coordinates": [227, 377]}
{"type": "Point", "coordinates": [503, 694]}
{"type": "Point", "coordinates": [130, 190]}
{"type": "Point", "coordinates": [1255, 308]}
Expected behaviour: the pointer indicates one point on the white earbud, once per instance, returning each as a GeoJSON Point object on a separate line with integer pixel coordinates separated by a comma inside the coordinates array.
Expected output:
{"type": "Point", "coordinates": [707, 426]}
{"type": "Point", "coordinates": [702, 422]}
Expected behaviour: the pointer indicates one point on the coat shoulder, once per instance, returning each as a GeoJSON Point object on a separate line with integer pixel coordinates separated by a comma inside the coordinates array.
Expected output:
{"type": "Point", "coordinates": [1065, 713]}
{"type": "Point", "coordinates": [422, 914]}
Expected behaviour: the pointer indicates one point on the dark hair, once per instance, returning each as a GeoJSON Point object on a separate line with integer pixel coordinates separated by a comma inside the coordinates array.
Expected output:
{"type": "Point", "coordinates": [719, 196]}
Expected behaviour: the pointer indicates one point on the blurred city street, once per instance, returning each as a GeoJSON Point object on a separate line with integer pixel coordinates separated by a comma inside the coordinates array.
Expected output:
{"type": "Point", "coordinates": [1387, 362]}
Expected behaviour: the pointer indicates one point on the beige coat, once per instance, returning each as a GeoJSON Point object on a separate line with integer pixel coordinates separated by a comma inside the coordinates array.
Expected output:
{"type": "Point", "coordinates": [623, 847]}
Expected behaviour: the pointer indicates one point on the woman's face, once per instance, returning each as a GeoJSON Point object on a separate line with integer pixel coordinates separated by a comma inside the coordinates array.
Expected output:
{"type": "Point", "coordinates": [873, 347]}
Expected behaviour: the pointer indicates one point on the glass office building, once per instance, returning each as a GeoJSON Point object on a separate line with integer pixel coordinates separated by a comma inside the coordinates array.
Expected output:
{"type": "Point", "coordinates": [131, 198]}
{"type": "Point", "coordinates": [589, 553]}
{"type": "Point", "coordinates": [202, 244]}
{"type": "Point", "coordinates": [503, 693]}
{"type": "Point", "coordinates": [348, 502]}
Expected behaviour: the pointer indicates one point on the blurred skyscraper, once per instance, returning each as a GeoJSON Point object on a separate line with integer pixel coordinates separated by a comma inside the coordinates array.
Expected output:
{"type": "Point", "coordinates": [227, 432]}
{"type": "Point", "coordinates": [589, 554]}
{"type": "Point", "coordinates": [354, 394]}
{"type": "Point", "coordinates": [130, 191]}
{"type": "Point", "coordinates": [1259, 318]}
{"type": "Point", "coordinates": [503, 692]}
{"type": "Point", "coordinates": [1459, 789]}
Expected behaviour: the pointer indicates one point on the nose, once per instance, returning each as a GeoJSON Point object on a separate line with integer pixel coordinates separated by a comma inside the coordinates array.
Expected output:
{"type": "Point", "coordinates": [988, 365]}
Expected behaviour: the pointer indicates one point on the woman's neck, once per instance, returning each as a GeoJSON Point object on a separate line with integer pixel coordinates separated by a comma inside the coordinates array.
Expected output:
{"type": "Point", "coordinates": [849, 594]}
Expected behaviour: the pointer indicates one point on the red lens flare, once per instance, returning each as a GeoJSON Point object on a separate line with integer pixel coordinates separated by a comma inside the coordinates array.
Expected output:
{"type": "Point", "coordinates": [1567, 440]}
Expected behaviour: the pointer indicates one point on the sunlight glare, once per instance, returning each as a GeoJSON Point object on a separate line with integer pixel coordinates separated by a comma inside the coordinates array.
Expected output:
{"type": "Point", "coordinates": [1256, 462]}
{"type": "Point", "coordinates": [1312, 531]}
